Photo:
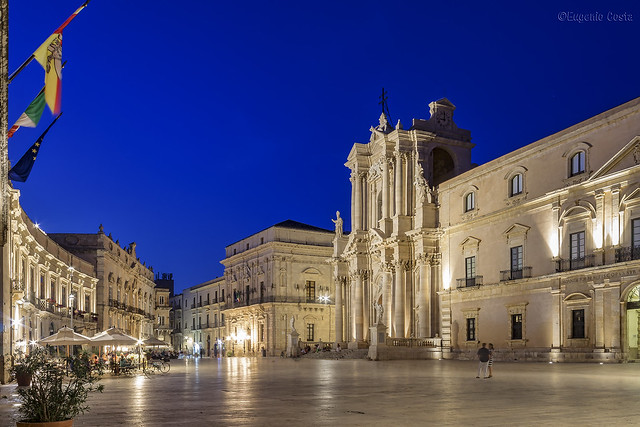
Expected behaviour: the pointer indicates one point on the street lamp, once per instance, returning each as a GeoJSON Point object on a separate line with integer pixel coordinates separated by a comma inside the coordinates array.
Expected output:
{"type": "Point", "coordinates": [71, 298]}
{"type": "Point", "coordinates": [71, 295]}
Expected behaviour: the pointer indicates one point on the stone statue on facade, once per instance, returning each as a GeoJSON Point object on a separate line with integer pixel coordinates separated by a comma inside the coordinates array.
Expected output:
{"type": "Point", "coordinates": [293, 322]}
{"type": "Point", "coordinates": [423, 192]}
{"type": "Point", "coordinates": [338, 223]}
{"type": "Point", "coordinates": [379, 312]}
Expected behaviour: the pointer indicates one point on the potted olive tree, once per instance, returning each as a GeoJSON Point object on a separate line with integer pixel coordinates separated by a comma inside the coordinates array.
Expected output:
{"type": "Point", "coordinates": [57, 394]}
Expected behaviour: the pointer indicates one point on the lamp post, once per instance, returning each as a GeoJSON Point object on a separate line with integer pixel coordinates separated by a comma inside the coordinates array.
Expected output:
{"type": "Point", "coordinates": [71, 298]}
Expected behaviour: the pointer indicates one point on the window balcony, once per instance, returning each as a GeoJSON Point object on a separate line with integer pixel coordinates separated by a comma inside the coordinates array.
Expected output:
{"type": "Point", "coordinates": [575, 263]}
{"type": "Point", "coordinates": [522, 273]}
{"type": "Point", "coordinates": [469, 282]}
{"type": "Point", "coordinates": [629, 253]}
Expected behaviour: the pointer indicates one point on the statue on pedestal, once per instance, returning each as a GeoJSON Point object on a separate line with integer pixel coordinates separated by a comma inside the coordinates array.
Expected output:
{"type": "Point", "coordinates": [338, 223]}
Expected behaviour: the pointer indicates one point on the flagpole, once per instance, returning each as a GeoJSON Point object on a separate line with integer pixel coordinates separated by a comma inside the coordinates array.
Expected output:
{"type": "Point", "coordinates": [20, 68]}
{"type": "Point", "coordinates": [60, 28]}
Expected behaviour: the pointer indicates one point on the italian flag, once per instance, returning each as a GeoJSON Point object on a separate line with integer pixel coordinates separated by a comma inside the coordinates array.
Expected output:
{"type": "Point", "coordinates": [32, 114]}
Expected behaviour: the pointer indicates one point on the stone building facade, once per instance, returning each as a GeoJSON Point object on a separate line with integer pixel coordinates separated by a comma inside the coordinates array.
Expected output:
{"type": "Point", "coordinates": [272, 277]}
{"type": "Point", "coordinates": [199, 326]}
{"type": "Point", "coordinates": [125, 290]}
{"type": "Point", "coordinates": [536, 251]}
{"type": "Point", "coordinates": [48, 284]}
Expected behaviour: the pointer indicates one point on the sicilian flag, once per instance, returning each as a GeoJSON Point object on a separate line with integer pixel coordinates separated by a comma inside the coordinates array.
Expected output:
{"type": "Point", "coordinates": [31, 115]}
{"type": "Point", "coordinates": [49, 55]}
{"type": "Point", "coordinates": [21, 170]}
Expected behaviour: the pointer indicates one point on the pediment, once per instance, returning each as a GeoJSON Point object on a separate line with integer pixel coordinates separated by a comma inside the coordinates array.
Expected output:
{"type": "Point", "coordinates": [470, 241]}
{"type": "Point", "coordinates": [311, 270]}
{"type": "Point", "coordinates": [626, 158]}
{"type": "Point", "coordinates": [377, 236]}
{"type": "Point", "coordinates": [516, 230]}
{"type": "Point", "coordinates": [576, 296]}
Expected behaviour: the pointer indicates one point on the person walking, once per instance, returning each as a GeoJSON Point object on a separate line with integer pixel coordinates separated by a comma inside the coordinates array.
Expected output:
{"type": "Point", "coordinates": [483, 356]}
{"type": "Point", "coordinates": [490, 364]}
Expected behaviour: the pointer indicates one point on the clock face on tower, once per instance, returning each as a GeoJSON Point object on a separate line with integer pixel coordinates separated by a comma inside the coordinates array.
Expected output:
{"type": "Point", "coordinates": [443, 118]}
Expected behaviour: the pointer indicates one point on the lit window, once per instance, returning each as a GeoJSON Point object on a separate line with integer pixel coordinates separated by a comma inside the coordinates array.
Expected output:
{"type": "Point", "coordinates": [516, 185]}
{"type": "Point", "coordinates": [577, 163]}
{"type": "Point", "coordinates": [470, 202]}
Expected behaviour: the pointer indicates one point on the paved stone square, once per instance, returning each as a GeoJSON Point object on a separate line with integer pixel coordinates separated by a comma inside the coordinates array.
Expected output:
{"type": "Point", "coordinates": [274, 391]}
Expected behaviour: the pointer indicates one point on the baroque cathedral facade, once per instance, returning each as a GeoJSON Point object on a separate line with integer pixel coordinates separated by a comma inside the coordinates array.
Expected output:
{"type": "Point", "coordinates": [537, 251]}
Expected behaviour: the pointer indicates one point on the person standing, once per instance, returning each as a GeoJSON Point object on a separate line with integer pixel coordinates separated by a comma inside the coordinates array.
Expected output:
{"type": "Point", "coordinates": [490, 364]}
{"type": "Point", "coordinates": [483, 356]}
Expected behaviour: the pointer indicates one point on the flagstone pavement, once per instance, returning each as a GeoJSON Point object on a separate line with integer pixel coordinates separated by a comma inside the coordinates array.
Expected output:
{"type": "Point", "coordinates": [302, 392]}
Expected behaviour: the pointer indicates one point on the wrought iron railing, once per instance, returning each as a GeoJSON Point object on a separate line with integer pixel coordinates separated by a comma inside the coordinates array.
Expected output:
{"type": "Point", "coordinates": [575, 263]}
{"type": "Point", "coordinates": [520, 273]}
{"type": "Point", "coordinates": [468, 282]}
{"type": "Point", "coordinates": [629, 253]}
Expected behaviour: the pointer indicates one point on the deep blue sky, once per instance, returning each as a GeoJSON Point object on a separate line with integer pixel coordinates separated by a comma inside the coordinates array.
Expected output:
{"type": "Point", "coordinates": [190, 125]}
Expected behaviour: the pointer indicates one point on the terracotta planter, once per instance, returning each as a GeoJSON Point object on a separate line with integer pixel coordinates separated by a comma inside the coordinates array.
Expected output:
{"type": "Point", "coordinates": [65, 423]}
{"type": "Point", "coordinates": [23, 379]}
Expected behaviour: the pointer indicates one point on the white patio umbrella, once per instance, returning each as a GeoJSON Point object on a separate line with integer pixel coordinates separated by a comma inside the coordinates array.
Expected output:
{"type": "Point", "coordinates": [153, 341]}
{"type": "Point", "coordinates": [65, 336]}
{"type": "Point", "coordinates": [113, 336]}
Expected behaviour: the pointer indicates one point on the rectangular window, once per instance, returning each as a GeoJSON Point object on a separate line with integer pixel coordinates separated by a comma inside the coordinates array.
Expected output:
{"type": "Point", "coordinates": [516, 263]}
{"type": "Point", "coordinates": [199, 322]}
{"type": "Point", "coordinates": [215, 320]}
{"type": "Point", "coordinates": [63, 297]}
{"type": "Point", "coordinates": [577, 324]}
{"type": "Point", "coordinates": [516, 185]}
{"type": "Point", "coordinates": [262, 332]}
{"type": "Point", "coordinates": [516, 326]}
{"type": "Point", "coordinates": [161, 299]}
{"type": "Point", "coordinates": [222, 319]}
{"type": "Point", "coordinates": [42, 295]}
{"type": "Point", "coordinates": [577, 163]}
{"type": "Point", "coordinates": [470, 202]}
{"type": "Point", "coordinates": [193, 323]}
{"type": "Point", "coordinates": [576, 250]}
{"type": "Point", "coordinates": [311, 291]}
{"type": "Point", "coordinates": [87, 303]}
{"type": "Point", "coordinates": [310, 332]}
{"type": "Point", "coordinates": [222, 295]}
{"type": "Point", "coordinates": [471, 329]}
{"type": "Point", "coordinates": [635, 239]}
{"type": "Point", "coordinates": [52, 295]}
{"type": "Point", "coordinates": [470, 270]}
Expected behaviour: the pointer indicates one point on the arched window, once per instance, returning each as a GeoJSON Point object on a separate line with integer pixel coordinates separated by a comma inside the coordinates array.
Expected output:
{"type": "Point", "coordinates": [577, 163]}
{"type": "Point", "coordinates": [470, 201]}
{"type": "Point", "coordinates": [516, 185]}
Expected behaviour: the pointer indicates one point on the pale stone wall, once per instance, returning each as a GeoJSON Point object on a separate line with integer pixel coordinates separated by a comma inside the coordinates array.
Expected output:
{"type": "Point", "coordinates": [415, 259]}
{"type": "Point", "coordinates": [43, 276]}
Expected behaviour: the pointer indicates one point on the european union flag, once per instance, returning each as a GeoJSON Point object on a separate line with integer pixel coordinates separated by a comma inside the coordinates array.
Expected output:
{"type": "Point", "coordinates": [20, 172]}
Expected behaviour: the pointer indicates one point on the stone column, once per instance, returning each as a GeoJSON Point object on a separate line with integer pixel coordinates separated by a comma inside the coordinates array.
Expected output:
{"type": "Point", "coordinates": [424, 299]}
{"type": "Point", "coordinates": [598, 228]}
{"type": "Point", "coordinates": [385, 188]}
{"type": "Point", "coordinates": [366, 307]}
{"type": "Point", "coordinates": [353, 178]}
{"type": "Point", "coordinates": [358, 204]}
{"type": "Point", "coordinates": [387, 281]}
{"type": "Point", "coordinates": [398, 184]}
{"type": "Point", "coordinates": [436, 286]}
{"type": "Point", "coordinates": [599, 314]}
{"type": "Point", "coordinates": [338, 286]}
{"type": "Point", "coordinates": [358, 306]}
{"type": "Point", "coordinates": [399, 308]}
{"type": "Point", "coordinates": [556, 319]}
{"type": "Point", "coordinates": [615, 215]}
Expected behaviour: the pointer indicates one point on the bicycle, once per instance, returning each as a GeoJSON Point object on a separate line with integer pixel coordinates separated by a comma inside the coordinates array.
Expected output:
{"type": "Point", "coordinates": [160, 365]}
